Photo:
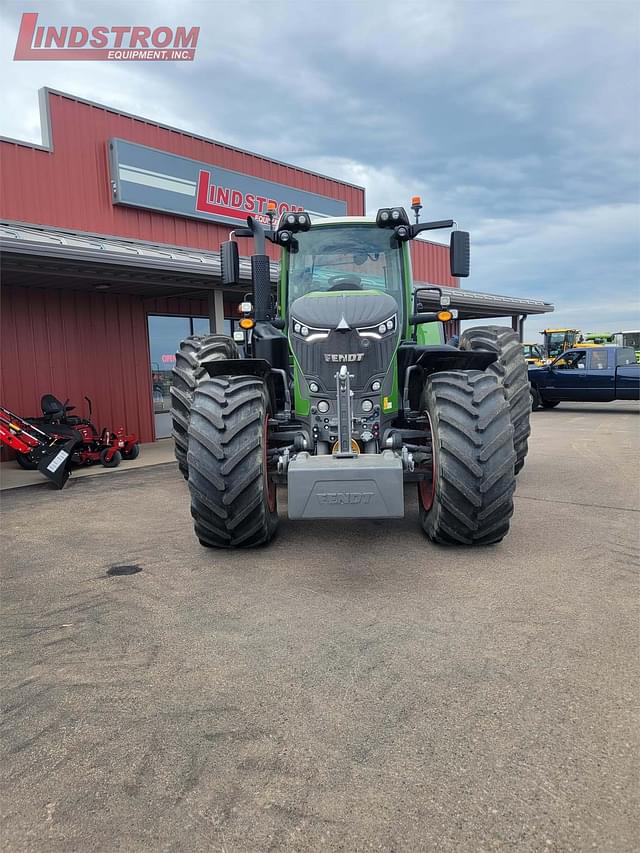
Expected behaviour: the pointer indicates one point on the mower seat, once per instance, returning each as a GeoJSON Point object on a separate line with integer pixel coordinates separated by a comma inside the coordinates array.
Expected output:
{"type": "Point", "coordinates": [52, 408]}
{"type": "Point", "coordinates": [54, 411]}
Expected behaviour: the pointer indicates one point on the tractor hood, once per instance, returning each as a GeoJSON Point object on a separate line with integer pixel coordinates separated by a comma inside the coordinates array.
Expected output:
{"type": "Point", "coordinates": [343, 309]}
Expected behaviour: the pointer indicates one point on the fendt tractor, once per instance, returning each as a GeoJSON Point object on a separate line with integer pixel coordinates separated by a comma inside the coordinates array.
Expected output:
{"type": "Point", "coordinates": [335, 391]}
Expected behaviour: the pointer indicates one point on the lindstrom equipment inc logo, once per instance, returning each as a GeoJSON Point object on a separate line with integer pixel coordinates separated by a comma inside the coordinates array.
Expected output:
{"type": "Point", "coordinates": [37, 41]}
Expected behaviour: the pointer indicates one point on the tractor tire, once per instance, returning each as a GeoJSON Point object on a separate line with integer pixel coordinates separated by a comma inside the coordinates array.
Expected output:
{"type": "Point", "coordinates": [233, 501]}
{"type": "Point", "coordinates": [511, 370]}
{"type": "Point", "coordinates": [470, 498]}
{"type": "Point", "coordinates": [25, 462]}
{"type": "Point", "coordinates": [188, 371]}
{"type": "Point", "coordinates": [131, 454]}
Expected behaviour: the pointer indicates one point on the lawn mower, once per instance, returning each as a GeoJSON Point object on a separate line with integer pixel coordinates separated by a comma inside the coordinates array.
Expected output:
{"type": "Point", "coordinates": [57, 425]}
{"type": "Point", "coordinates": [343, 391]}
{"type": "Point", "coordinates": [49, 454]}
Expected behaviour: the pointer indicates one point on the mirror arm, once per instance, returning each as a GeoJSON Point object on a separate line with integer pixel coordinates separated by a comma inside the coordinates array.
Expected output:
{"type": "Point", "coordinates": [431, 226]}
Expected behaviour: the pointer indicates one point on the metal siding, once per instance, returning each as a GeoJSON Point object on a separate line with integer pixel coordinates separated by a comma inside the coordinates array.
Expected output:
{"type": "Point", "coordinates": [430, 263]}
{"type": "Point", "coordinates": [69, 187]}
{"type": "Point", "coordinates": [71, 343]}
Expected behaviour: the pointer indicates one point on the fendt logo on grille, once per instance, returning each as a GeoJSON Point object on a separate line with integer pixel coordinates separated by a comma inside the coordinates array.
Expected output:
{"type": "Point", "coordinates": [345, 497]}
{"type": "Point", "coordinates": [343, 357]}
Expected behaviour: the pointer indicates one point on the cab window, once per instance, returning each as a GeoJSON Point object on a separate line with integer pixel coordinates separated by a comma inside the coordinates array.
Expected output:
{"type": "Point", "coordinates": [625, 356]}
{"type": "Point", "coordinates": [599, 359]}
{"type": "Point", "coordinates": [571, 361]}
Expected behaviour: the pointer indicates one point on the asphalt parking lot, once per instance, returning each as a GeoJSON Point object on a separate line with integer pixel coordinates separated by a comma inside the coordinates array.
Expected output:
{"type": "Point", "coordinates": [351, 687]}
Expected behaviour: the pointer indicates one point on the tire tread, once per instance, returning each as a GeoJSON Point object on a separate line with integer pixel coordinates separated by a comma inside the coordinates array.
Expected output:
{"type": "Point", "coordinates": [187, 372]}
{"type": "Point", "coordinates": [475, 476]}
{"type": "Point", "coordinates": [225, 460]}
{"type": "Point", "coordinates": [511, 370]}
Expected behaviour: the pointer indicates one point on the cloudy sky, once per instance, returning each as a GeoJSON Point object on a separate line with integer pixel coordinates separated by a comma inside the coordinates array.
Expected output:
{"type": "Point", "coordinates": [518, 119]}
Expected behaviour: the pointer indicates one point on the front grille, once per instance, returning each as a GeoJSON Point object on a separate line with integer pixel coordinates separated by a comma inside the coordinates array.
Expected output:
{"type": "Point", "coordinates": [376, 357]}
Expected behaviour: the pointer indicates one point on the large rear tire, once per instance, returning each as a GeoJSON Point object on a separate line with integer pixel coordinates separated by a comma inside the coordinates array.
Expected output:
{"type": "Point", "coordinates": [511, 370]}
{"type": "Point", "coordinates": [188, 371]}
{"type": "Point", "coordinates": [470, 498]}
{"type": "Point", "coordinates": [233, 501]}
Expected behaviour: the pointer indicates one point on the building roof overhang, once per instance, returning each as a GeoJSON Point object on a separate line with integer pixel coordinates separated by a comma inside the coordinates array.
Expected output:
{"type": "Point", "coordinates": [35, 256]}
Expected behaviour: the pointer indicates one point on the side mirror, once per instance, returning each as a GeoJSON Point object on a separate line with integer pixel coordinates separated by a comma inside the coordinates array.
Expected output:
{"type": "Point", "coordinates": [459, 254]}
{"type": "Point", "coordinates": [230, 263]}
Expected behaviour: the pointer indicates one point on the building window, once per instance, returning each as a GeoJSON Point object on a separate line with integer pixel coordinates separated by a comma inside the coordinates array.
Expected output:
{"type": "Point", "coordinates": [165, 334]}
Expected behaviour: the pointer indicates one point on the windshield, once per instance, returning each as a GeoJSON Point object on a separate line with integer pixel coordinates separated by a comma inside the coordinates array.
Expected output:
{"type": "Point", "coordinates": [345, 257]}
{"type": "Point", "coordinates": [557, 342]}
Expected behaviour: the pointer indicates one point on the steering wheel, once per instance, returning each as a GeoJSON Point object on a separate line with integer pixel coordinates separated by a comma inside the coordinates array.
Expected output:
{"type": "Point", "coordinates": [345, 281]}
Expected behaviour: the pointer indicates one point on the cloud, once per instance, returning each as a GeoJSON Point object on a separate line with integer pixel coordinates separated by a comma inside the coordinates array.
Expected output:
{"type": "Point", "coordinates": [518, 119]}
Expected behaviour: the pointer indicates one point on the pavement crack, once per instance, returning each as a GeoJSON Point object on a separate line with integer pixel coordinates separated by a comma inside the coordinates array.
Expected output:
{"type": "Point", "coordinates": [576, 503]}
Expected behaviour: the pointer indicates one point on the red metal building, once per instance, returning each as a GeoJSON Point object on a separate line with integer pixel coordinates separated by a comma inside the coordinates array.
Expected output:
{"type": "Point", "coordinates": [110, 233]}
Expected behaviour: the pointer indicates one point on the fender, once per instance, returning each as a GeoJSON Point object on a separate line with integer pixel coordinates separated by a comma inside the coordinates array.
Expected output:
{"type": "Point", "coordinates": [275, 380]}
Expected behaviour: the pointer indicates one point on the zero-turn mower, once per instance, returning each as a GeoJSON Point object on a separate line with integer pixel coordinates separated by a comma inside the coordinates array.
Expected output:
{"type": "Point", "coordinates": [33, 438]}
{"type": "Point", "coordinates": [47, 453]}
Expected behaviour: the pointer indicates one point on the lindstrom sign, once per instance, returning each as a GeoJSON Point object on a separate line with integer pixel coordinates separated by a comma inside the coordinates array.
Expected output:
{"type": "Point", "coordinates": [44, 42]}
{"type": "Point", "coordinates": [153, 179]}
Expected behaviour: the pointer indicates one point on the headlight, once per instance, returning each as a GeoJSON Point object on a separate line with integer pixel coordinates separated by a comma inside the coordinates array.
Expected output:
{"type": "Point", "coordinates": [380, 329]}
{"type": "Point", "coordinates": [308, 333]}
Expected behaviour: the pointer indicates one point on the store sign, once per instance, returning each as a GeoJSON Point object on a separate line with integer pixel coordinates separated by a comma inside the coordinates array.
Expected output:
{"type": "Point", "coordinates": [39, 41]}
{"type": "Point", "coordinates": [147, 177]}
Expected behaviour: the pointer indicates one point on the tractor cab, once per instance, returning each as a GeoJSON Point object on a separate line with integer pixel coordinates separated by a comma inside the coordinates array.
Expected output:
{"type": "Point", "coordinates": [533, 354]}
{"type": "Point", "coordinates": [557, 341]}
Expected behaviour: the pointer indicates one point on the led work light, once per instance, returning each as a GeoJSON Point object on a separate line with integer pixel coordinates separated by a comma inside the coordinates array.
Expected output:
{"type": "Point", "coordinates": [389, 217]}
{"type": "Point", "coordinates": [294, 222]}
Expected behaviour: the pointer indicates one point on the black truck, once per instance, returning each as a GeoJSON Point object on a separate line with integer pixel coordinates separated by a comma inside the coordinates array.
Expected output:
{"type": "Point", "coordinates": [587, 375]}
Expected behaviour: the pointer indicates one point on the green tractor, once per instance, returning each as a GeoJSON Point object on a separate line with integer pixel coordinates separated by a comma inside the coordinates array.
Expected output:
{"type": "Point", "coordinates": [342, 390]}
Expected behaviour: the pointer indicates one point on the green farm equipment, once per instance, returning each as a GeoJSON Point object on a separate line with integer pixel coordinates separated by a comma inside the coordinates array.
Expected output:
{"type": "Point", "coordinates": [598, 339]}
{"type": "Point", "coordinates": [337, 394]}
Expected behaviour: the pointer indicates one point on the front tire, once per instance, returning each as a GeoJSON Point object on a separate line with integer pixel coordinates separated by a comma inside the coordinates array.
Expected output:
{"type": "Point", "coordinates": [233, 501]}
{"type": "Point", "coordinates": [25, 462]}
{"type": "Point", "coordinates": [187, 372]}
{"type": "Point", "coordinates": [470, 498]}
{"type": "Point", "coordinates": [511, 370]}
